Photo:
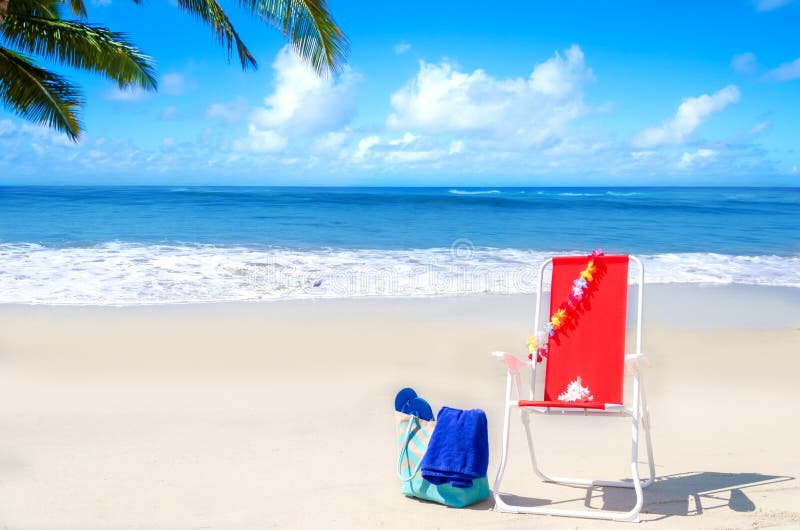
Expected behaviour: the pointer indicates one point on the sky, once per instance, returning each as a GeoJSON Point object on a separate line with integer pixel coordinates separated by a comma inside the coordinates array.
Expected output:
{"type": "Point", "coordinates": [444, 93]}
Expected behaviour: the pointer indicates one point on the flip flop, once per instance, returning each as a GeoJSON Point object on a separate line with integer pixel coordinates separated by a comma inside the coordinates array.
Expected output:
{"type": "Point", "coordinates": [403, 397]}
{"type": "Point", "coordinates": [420, 408]}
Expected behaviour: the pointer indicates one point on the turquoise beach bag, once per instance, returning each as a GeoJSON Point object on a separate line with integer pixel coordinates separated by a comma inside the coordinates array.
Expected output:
{"type": "Point", "coordinates": [413, 435]}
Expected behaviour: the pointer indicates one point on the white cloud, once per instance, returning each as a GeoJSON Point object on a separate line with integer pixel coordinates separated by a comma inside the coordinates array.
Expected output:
{"type": "Point", "coordinates": [405, 140]}
{"type": "Point", "coordinates": [129, 94]}
{"type": "Point", "coordinates": [302, 100]}
{"type": "Point", "coordinates": [364, 146]}
{"type": "Point", "coordinates": [230, 113]}
{"type": "Point", "coordinates": [523, 111]}
{"type": "Point", "coordinates": [173, 83]}
{"type": "Point", "coordinates": [690, 114]}
{"type": "Point", "coordinates": [169, 112]}
{"type": "Point", "coordinates": [785, 72]}
{"type": "Point", "coordinates": [332, 141]}
{"type": "Point", "coordinates": [372, 149]}
{"type": "Point", "coordinates": [261, 141]}
{"type": "Point", "coordinates": [7, 127]}
{"type": "Point", "coordinates": [760, 128]}
{"type": "Point", "coordinates": [577, 148]}
{"type": "Point", "coordinates": [411, 157]}
{"type": "Point", "coordinates": [769, 5]}
{"type": "Point", "coordinates": [302, 103]}
{"type": "Point", "coordinates": [401, 48]}
{"type": "Point", "coordinates": [745, 63]}
{"type": "Point", "coordinates": [690, 160]}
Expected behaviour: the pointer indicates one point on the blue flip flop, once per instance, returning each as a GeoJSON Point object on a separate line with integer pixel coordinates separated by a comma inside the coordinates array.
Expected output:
{"type": "Point", "coordinates": [420, 408]}
{"type": "Point", "coordinates": [402, 399]}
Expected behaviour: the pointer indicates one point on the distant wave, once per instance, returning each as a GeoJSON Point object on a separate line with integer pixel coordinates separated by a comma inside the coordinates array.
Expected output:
{"type": "Point", "coordinates": [624, 193]}
{"type": "Point", "coordinates": [474, 192]}
{"type": "Point", "coordinates": [132, 274]}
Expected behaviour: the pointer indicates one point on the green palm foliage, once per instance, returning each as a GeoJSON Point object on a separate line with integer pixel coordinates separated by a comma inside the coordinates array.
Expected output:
{"type": "Point", "coordinates": [38, 28]}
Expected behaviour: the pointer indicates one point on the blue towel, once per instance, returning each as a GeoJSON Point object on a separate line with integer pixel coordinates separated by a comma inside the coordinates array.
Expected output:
{"type": "Point", "coordinates": [458, 451]}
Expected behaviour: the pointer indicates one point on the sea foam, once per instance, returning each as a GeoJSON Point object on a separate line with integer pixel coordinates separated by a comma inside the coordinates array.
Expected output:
{"type": "Point", "coordinates": [129, 274]}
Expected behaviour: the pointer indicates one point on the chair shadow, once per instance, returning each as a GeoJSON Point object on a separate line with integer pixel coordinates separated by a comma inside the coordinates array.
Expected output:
{"type": "Point", "coordinates": [685, 494]}
{"type": "Point", "coordinates": [692, 493]}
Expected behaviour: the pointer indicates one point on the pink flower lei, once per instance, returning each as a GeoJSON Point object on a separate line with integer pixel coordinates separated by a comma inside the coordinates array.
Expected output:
{"type": "Point", "coordinates": [539, 344]}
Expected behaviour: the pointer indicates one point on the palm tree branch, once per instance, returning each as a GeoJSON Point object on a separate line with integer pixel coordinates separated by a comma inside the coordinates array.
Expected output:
{"type": "Point", "coordinates": [78, 8]}
{"type": "Point", "coordinates": [309, 27]}
{"type": "Point", "coordinates": [80, 45]}
{"type": "Point", "coordinates": [319, 38]}
{"type": "Point", "coordinates": [37, 94]}
{"type": "Point", "coordinates": [35, 8]}
{"type": "Point", "coordinates": [210, 12]}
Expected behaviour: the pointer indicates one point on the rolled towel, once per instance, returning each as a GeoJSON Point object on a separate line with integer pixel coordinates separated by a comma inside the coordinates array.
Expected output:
{"type": "Point", "coordinates": [458, 451]}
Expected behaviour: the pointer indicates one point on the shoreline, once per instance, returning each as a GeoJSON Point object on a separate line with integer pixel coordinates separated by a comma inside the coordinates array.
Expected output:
{"type": "Point", "coordinates": [714, 306]}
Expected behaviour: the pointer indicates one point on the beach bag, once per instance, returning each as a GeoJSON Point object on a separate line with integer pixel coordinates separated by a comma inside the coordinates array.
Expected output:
{"type": "Point", "coordinates": [413, 435]}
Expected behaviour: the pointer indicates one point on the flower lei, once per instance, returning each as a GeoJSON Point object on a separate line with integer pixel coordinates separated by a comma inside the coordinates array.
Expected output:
{"type": "Point", "coordinates": [539, 344]}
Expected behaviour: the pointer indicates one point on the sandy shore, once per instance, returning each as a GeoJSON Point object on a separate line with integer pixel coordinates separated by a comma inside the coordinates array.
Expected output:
{"type": "Point", "coordinates": [280, 414]}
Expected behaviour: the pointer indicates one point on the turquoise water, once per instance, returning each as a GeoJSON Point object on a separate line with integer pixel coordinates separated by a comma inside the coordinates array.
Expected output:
{"type": "Point", "coordinates": [164, 244]}
{"type": "Point", "coordinates": [645, 220]}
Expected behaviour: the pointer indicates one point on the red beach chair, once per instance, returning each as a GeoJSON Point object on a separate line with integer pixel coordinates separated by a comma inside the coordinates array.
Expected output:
{"type": "Point", "coordinates": [592, 348]}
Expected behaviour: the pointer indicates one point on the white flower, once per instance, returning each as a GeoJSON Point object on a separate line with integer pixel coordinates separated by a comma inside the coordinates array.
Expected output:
{"type": "Point", "coordinates": [576, 392]}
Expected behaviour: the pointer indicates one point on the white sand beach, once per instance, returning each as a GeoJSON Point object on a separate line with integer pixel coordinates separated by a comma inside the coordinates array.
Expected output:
{"type": "Point", "coordinates": [279, 415]}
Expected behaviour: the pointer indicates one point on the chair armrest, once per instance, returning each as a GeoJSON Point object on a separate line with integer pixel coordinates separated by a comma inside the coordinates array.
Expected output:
{"type": "Point", "coordinates": [636, 361]}
{"type": "Point", "coordinates": [513, 364]}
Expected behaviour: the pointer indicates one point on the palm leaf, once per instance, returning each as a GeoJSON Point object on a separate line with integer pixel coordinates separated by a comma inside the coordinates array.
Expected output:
{"type": "Point", "coordinates": [46, 8]}
{"type": "Point", "coordinates": [37, 94]}
{"type": "Point", "coordinates": [77, 8]}
{"type": "Point", "coordinates": [309, 27]}
{"type": "Point", "coordinates": [210, 12]}
{"type": "Point", "coordinates": [80, 45]}
{"type": "Point", "coordinates": [34, 8]}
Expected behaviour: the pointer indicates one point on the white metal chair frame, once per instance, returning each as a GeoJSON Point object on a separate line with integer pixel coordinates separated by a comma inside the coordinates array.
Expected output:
{"type": "Point", "coordinates": [638, 411]}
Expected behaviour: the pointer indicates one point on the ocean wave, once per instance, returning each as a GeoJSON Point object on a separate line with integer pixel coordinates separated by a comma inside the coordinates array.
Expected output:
{"type": "Point", "coordinates": [624, 193]}
{"type": "Point", "coordinates": [474, 192]}
{"type": "Point", "coordinates": [133, 274]}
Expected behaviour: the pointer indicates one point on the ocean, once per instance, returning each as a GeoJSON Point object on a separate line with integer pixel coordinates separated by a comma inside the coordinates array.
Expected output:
{"type": "Point", "coordinates": [142, 245]}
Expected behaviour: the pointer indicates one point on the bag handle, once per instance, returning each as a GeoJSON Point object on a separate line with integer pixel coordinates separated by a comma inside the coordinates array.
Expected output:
{"type": "Point", "coordinates": [404, 453]}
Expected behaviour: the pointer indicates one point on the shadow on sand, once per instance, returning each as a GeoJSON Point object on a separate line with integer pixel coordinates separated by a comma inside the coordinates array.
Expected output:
{"type": "Point", "coordinates": [673, 495]}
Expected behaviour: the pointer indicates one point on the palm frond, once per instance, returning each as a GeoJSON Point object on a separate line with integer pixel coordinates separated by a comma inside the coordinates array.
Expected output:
{"type": "Point", "coordinates": [46, 8]}
{"type": "Point", "coordinates": [34, 8]}
{"type": "Point", "coordinates": [78, 8]}
{"type": "Point", "coordinates": [37, 94]}
{"type": "Point", "coordinates": [309, 27]}
{"type": "Point", "coordinates": [210, 12]}
{"type": "Point", "coordinates": [80, 45]}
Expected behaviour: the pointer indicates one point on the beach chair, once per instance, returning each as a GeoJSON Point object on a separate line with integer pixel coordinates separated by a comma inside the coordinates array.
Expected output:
{"type": "Point", "coordinates": [591, 347]}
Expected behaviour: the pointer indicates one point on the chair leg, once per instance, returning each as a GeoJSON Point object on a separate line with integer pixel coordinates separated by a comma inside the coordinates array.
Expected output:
{"type": "Point", "coordinates": [526, 422]}
{"type": "Point", "coordinates": [644, 418]}
{"type": "Point", "coordinates": [504, 455]}
{"type": "Point", "coordinates": [648, 440]}
{"type": "Point", "coordinates": [637, 485]}
{"type": "Point", "coordinates": [640, 415]}
{"type": "Point", "coordinates": [575, 481]}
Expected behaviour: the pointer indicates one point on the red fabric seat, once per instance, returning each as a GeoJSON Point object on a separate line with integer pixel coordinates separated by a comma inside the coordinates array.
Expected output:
{"type": "Point", "coordinates": [564, 404]}
{"type": "Point", "coordinates": [592, 347]}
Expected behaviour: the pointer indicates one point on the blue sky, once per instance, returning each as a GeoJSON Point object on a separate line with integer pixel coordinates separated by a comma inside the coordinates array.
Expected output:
{"type": "Point", "coordinates": [439, 93]}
